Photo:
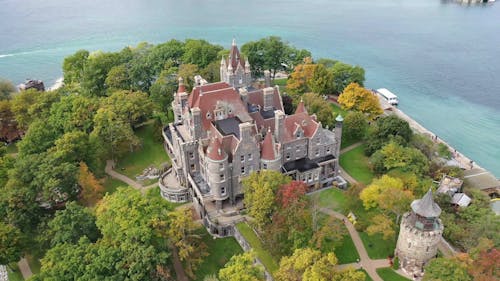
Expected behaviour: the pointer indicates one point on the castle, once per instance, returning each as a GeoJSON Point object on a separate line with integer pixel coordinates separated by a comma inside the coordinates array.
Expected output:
{"type": "Point", "coordinates": [419, 234]}
{"type": "Point", "coordinates": [226, 130]}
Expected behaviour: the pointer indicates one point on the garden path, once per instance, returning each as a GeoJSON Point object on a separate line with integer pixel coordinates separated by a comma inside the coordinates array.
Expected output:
{"type": "Point", "coordinates": [110, 164]}
{"type": "Point", "coordinates": [25, 269]}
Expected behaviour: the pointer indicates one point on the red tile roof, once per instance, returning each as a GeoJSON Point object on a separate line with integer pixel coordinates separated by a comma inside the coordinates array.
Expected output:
{"type": "Point", "coordinates": [303, 120]}
{"type": "Point", "coordinates": [301, 108]}
{"type": "Point", "coordinates": [268, 149]}
{"type": "Point", "coordinates": [235, 58]}
{"type": "Point", "coordinates": [215, 151]}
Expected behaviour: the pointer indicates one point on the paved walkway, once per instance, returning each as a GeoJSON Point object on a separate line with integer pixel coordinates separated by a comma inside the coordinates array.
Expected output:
{"type": "Point", "coordinates": [110, 164]}
{"type": "Point", "coordinates": [365, 262]}
{"type": "Point", "coordinates": [179, 270]}
{"type": "Point", "coordinates": [25, 269]}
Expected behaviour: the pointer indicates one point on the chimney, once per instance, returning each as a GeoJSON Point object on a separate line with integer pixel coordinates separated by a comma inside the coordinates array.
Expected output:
{"type": "Point", "coordinates": [268, 98]}
{"type": "Point", "coordinates": [279, 125]}
{"type": "Point", "coordinates": [246, 131]}
{"type": "Point", "coordinates": [267, 78]}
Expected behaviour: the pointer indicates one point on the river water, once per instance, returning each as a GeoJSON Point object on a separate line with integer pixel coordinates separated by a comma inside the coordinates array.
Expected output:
{"type": "Point", "coordinates": [442, 59]}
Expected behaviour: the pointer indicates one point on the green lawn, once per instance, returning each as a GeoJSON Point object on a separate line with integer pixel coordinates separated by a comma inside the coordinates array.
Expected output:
{"type": "Point", "coordinates": [264, 256]}
{"type": "Point", "coordinates": [151, 153]}
{"type": "Point", "coordinates": [110, 184]}
{"type": "Point", "coordinates": [387, 274]}
{"type": "Point", "coordinates": [15, 274]}
{"type": "Point", "coordinates": [221, 250]}
{"type": "Point", "coordinates": [357, 165]}
{"type": "Point", "coordinates": [332, 198]}
{"type": "Point", "coordinates": [280, 82]}
{"type": "Point", "coordinates": [346, 252]}
{"type": "Point", "coordinates": [377, 247]}
{"type": "Point", "coordinates": [34, 263]}
{"type": "Point", "coordinates": [337, 109]}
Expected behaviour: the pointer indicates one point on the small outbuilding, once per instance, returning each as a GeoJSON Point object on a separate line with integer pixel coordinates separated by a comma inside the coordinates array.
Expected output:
{"type": "Point", "coordinates": [460, 199]}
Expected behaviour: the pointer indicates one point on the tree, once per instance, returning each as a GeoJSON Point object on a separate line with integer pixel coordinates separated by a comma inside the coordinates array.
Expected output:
{"type": "Point", "coordinates": [39, 137]}
{"type": "Point", "coordinates": [260, 188]}
{"type": "Point", "coordinates": [407, 159]}
{"type": "Point", "coordinates": [182, 235]}
{"type": "Point", "coordinates": [118, 78]}
{"type": "Point", "coordinates": [387, 128]}
{"type": "Point", "coordinates": [6, 89]}
{"type": "Point", "coordinates": [112, 134]}
{"type": "Point", "coordinates": [72, 223]}
{"type": "Point", "coordinates": [11, 245]}
{"type": "Point", "coordinates": [74, 112]}
{"type": "Point", "coordinates": [32, 105]}
{"type": "Point", "coordinates": [96, 69]}
{"type": "Point", "coordinates": [242, 268]}
{"type": "Point", "coordinates": [9, 130]}
{"type": "Point", "coordinates": [321, 81]}
{"type": "Point", "coordinates": [92, 189]}
{"type": "Point", "coordinates": [382, 224]}
{"type": "Point", "coordinates": [73, 66]}
{"type": "Point", "coordinates": [345, 74]}
{"type": "Point", "coordinates": [315, 104]}
{"type": "Point", "coordinates": [200, 52]}
{"type": "Point", "coordinates": [486, 266]}
{"type": "Point", "coordinates": [187, 72]}
{"type": "Point", "coordinates": [301, 75]}
{"type": "Point", "coordinates": [132, 107]}
{"type": "Point", "coordinates": [355, 126]}
{"type": "Point", "coordinates": [372, 193]}
{"type": "Point", "coordinates": [446, 269]}
{"type": "Point", "coordinates": [355, 97]}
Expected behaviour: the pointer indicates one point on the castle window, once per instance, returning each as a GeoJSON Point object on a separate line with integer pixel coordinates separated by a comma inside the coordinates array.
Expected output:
{"type": "Point", "coordinates": [328, 150]}
{"type": "Point", "coordinates": [222, 191]}
{"type": "Point", "coordinates": [209, 116]}
{"type": "Point", "coordinates": [317, 151]}
{"type": "Point", "coordinates": [264, 166]}
{"type": "Point", "coordinates": [309, 178]}
{"type": "Point", "coordinates": [191, 155]}
{"type": "Point", "coordinates": [242, 170]}
{"type": "Point", "coordinates": [221, 166]}
{"type": "Point", "coordinates": [221, 176]}
{"type": "Point", "coordinates": [409, 245]}
{"type": "Point", "coordinates": [288, 156]}
{"type": "Point", "coordinates": [427, 250]}
{"type": "Point", "coordinates": [249, 156]}
{"type": "Point", "coordinates": [242, 158]}
{"type": "Point", "coordinates": [192, 167]}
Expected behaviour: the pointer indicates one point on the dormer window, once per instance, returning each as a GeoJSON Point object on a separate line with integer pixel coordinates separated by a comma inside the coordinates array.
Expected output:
{"type": "Point", "coordinates": [209, 116]}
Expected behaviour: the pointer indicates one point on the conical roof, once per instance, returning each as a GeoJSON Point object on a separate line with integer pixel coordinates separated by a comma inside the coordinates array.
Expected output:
{"type": "Point", "coordinates": [300, 107]}
{"type": "Point", "coordinates": [181, 88]}
{"type": "Point", "coordinates": [268, 151]}
{"type": "Point", "coordinates": [426, 207]}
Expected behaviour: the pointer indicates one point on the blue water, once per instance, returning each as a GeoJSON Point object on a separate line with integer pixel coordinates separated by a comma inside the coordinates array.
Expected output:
{"type": "Point", "coordinates": [442, 59]}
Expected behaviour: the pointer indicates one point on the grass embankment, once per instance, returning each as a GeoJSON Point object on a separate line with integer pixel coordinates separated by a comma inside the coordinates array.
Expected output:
{"type": "Point", "coordinates": [151, 153]}
{"type": "Point", "coordinates": [110, 184]}
{"type": "Point", "coordinates": [356, 164]}
{"type": "Point", "coordinates": [332, 198]}
{"type": "Point", "coordinates": [346, 252]}
{"type": "Point", "coordinates": [254, 241]}
{"type": "Point", "coordinates": [14, 273]}
{"type": "Point", "coordinates": [280, 82]}
{"type": "Point", "coordinates": [367, 277]}
{"type": "Point", "coordinates": [221, 250]}
{"type": "Point", "coordinates": [388, 274]}
{"type": "Point", "coordinates": [12, 148]}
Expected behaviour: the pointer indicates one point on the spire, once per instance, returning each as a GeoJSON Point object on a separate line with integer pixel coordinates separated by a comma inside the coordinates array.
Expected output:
{"type": "Point", "coordinates": [300, 107]}
{"type": "Point", "coordinates": [247, 63]}
{"type": "Point", "coordinates": [426, 207]}
{"type": "Point", "coordinates": [214, 150]}
{"type": "Point", "coordinates": [234, 42]}
{"type": "Point", "coordinates": [182, 88]}
{"type": "Point", "coordinates": [268, 151]}
{"type": "Point", "coordinates": [339, 118]}
{"type": "Point", "coordinates": [222, 61]}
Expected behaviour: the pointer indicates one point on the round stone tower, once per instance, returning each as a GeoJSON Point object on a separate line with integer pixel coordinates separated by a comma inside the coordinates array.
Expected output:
{"type": "Point", "coordinates": [419, 234]}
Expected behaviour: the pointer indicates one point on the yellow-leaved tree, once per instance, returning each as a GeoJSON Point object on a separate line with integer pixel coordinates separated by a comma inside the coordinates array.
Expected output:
{"type": "Point", "coordinates": [355, 97]}
{"type": "Point", "coordinates": [92, 189]}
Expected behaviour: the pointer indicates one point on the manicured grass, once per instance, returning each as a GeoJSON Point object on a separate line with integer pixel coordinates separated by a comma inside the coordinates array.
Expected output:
{"type": "Point", "coordinates": [357, 165]}
{"type": "Point", "coordinates": [151, 153]}
{"type": "Point", "coordinates": [264, 256]}
{"type": "Point", "coordinates": [367, 277]}
{"type": "Point", "coordinates": [110, 184]}
{"type": "Point", "coordinates": [387, 274]}
{"type": "Point", "coordinates": [337, 109]}
{"type": "Point", "coordinates": [280, 82]}
{"type": "Point", "coordinates": [15, 274]}
{"type": "Point", "coordinates": [377, 247]}
{"type": "Point", "coordinates": [221, 250]}
{"type": "Point", "coordinates": [346, 252]}
{"type": "Point", "coordinates": [34, 263]}
{"type": "Point", "coordinates": [332, 198]}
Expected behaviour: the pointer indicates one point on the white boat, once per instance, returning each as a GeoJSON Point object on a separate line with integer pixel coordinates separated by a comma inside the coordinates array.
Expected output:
{"type": "Point", "coordinates": [388, 95]}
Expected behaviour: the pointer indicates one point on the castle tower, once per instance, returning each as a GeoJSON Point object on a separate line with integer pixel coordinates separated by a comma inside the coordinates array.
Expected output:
{"type": "Point", "coordinates": [338, 139]}
{"type": "Point", "coordinates": [217, 172]}
{"type": "Point", "coordinates": [180, 101]}
{"type": "Point", "coordinates": [420, 232]}
{"type": "Point", "coordinates": [235, 71]}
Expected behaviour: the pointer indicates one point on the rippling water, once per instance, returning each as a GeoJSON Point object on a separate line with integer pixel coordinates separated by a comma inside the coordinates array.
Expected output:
{"type": "Point", "coordinates": [442, 59]}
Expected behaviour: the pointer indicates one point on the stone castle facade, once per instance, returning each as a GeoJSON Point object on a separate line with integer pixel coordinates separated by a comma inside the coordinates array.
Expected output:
{"type": "Point", "coordinates": [226, 130]}
{"type": "Point", "coordinates": [419, 234]}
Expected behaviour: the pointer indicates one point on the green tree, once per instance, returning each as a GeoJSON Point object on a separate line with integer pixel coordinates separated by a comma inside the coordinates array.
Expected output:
{"type": "Point", "coordinates": [187, 72]}
{"type": "Point", "coordinates": [315, 104]}
{"type": "Point", "coordinates": [96, 69]}
{"type": "Point", "coordinates": [385, 129]}
{"type": "Point", "coordinates": [9, 130]}
{"type": "Point", "coordinates": [355, 126]}
{"type": "Point", "coordinates": [74, 112]}
{"type": "Point", "coordinates": [407, 159]}
{"type": "Point", "coordinates": [345, 74]}
{"type": "Point", "coordinates": [371, 194]}
{"type": "Point", "coordinates": [162, 90]}
{"type": "Point", "coordinates": [112, 134]}
{"type": "Point", "coordinates": [298, 82]}
{"type": "Point", "coordinates": [131, 107]}
{"type": "Point", "coordinates": [383, 225]}
{"type": "Point", "coordinates": [6, 89]}
{"type": "Point", "coordinates": [11, 245]}
{"type": "Point", "coordinates": [72, 223]}
{"type": "Point", "coordinates": [322, 80]}
{"type": "Point", "coordinates": [32, 105]}
{"type": "Point", "coordinates": [118, 78]}
{"type": "Point", "coordinates": [39, 137]}
{"type": "Point", "coordinates": [182, 235]}
{"type": "Point", "coordinates": [260, 189]}
{"type": "Point", "coordinates": [73, 66]}
{"type": "Point", "coordinates": [242, 268]}
{"type": "Point", "coordinates": [200, 52]}
{"type": "Point", "coordinates": [446, 269]}
{"type": "Point", "coordinates": [355, 97]}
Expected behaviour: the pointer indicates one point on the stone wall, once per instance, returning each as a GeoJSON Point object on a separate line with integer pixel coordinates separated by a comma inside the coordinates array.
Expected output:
{"type": "Point", "coordinates": [246, 247]}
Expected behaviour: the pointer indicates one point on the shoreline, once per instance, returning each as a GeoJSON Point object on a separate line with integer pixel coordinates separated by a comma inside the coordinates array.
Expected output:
{"type": "Point", "coordinates": [58, 84]}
